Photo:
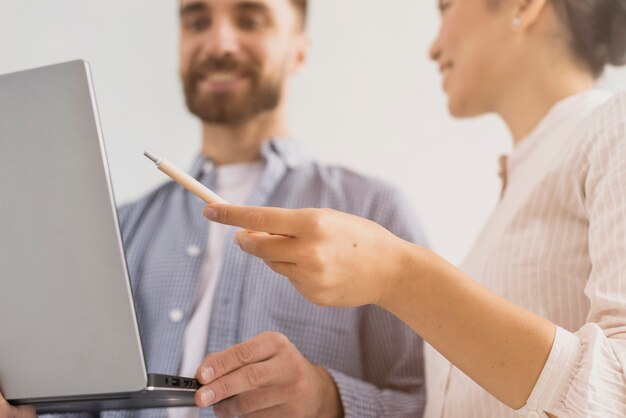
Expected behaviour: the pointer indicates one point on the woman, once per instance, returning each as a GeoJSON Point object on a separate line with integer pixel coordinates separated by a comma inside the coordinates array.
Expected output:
{"type": "Point", "coordinates": [535, 321]}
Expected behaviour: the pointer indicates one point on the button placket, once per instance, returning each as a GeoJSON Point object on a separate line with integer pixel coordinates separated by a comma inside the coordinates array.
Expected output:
{"type": "Point", "coordinates": [207, 167]}
{"type": "Point", "coordinates": [176, 315]}
{"type": "Point", "coordinates": [193, 250]}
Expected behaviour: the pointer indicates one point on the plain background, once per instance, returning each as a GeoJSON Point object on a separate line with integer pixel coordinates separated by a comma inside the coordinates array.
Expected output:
{"type": "Point", "coordinates": [368, 99]}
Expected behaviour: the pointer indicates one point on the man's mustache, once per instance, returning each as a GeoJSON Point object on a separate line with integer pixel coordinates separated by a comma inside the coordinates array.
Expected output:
{"type": "Point", "coordinates": [223, 64]}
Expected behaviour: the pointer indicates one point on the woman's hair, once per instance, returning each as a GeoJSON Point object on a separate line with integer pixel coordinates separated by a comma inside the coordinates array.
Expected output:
{"type": "Point", "coordinates": [596, 29]}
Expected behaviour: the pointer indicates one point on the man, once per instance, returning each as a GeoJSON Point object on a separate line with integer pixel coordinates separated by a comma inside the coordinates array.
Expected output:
{"type": "Point", "coordinates": [273, 354]}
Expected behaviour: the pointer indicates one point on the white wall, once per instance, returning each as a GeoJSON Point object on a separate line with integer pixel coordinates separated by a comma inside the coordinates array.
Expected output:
{"type": "Point", "coordinates": [368, 99]}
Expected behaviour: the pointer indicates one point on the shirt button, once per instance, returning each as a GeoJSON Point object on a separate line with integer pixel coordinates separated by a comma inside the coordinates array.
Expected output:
{"type": "Point", "coordinates": [176, 315]}
{"type": "Point", "coordinates": [207, 167]}
{"type": "Point", "coordinates": [533, 414]}
{"type": "Point", "coordinates": [193, 251]}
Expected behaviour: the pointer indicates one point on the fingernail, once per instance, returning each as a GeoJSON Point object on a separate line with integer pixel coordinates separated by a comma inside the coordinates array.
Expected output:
{"type": "Point", "coordinates": [207, 373]}
{"type": "Point", "coordinates": [210, 213]}
{"type": "Point", "coordinates": [207, 396]}
{"type": "Point", "coordinates": [236, 237]}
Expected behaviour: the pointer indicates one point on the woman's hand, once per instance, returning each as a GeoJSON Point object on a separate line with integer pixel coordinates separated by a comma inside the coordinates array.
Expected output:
{"type": "Point", "coordinates": [331, 257]}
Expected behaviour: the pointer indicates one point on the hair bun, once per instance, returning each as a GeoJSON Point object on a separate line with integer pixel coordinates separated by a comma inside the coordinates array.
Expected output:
{"type": "Point", "coordinates": [598, 31]}
{"type": "Point", "coordinates": [616, 25]}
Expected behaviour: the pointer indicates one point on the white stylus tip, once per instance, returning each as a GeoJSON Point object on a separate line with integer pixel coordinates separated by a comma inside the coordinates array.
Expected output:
{"type": "Point", "coordinates": [151, 156]}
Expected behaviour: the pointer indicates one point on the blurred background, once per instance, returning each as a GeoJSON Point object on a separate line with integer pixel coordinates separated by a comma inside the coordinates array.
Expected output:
{"type": "Point", "coordinates": [368, 99]}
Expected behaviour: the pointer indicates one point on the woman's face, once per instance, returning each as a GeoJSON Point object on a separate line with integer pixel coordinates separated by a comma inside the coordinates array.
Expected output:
{"type": "Point", "coordinates": [476, 54]}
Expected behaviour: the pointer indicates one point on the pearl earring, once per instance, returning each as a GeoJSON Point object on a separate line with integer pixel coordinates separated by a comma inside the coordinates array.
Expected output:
{"type": "Point", "coordinates": [517, 21]}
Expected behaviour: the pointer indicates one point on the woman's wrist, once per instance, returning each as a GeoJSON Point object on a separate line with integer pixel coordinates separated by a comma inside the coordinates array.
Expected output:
{"type": "Point", "coordinates": [404, 270]}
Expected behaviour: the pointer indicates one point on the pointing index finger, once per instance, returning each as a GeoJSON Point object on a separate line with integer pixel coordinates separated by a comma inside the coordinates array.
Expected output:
{"type": "Point", "coordinates": [276, 221]}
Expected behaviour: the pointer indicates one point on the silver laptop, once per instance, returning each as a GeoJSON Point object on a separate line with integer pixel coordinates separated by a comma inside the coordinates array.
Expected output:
{"type": "Point", "coordinates": [68, 333]}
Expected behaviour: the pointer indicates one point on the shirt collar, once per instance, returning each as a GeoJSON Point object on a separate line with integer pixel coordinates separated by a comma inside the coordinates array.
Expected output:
{"type": "Point", "coordinates": [287, 150]}
{"type": "Point", "coordinates": [560, 115]}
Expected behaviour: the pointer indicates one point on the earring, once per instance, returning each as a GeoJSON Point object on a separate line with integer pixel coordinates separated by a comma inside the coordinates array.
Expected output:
{"type": "Point", "coordinates": [517, 21]}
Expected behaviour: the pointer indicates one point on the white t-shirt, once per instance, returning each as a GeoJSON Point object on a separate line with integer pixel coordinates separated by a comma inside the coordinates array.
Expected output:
{"type": "Point", "coordinates": [234, 182]}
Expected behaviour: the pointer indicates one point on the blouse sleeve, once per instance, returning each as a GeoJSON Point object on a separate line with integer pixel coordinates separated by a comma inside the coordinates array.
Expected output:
{"type": "Point", "coordinates": [584, 375]}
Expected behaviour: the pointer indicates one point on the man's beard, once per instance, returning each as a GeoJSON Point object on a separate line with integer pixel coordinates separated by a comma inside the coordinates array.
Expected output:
{"type": "Point", "coordinates": [227, 108]}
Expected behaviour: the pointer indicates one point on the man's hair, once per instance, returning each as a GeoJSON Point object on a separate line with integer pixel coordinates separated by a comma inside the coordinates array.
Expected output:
{"type": "Point", "coordinates": [301, 6]}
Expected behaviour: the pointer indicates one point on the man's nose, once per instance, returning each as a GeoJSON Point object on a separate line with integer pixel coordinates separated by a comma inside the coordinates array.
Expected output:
{"type": "Point", "coordinates": [222, 39]}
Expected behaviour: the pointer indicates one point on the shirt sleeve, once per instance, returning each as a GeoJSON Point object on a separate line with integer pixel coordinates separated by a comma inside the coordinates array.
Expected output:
{"type": "Point", "coordinates": [584, 375]}
{"type": "Point", "coordinates": [392, 384]}
{"type": "Point", "coordinates": [361, 399]}
{"type": "Point", "coordinates": [393, 381]}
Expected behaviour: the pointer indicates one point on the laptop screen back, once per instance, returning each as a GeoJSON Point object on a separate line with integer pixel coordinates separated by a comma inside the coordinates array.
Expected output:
{"type": "Point", "coordinates": [66, 313]}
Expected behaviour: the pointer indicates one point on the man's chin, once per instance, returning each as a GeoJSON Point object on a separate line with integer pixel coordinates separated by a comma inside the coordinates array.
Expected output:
{"type": "Point", "coordinates": [228, 108]}
{"type": "Point", "coordinates": [220, 113]}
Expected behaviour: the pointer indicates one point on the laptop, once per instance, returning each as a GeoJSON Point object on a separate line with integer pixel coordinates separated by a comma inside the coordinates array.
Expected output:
{"type": "Point", "coordinates": [69, 335]}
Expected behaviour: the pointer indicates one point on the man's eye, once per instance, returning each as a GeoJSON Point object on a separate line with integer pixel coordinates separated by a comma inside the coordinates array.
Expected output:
{"type": "Point", "coordinates": [248, 23]}
{"type": "Point", "coordinates": [197, 25]}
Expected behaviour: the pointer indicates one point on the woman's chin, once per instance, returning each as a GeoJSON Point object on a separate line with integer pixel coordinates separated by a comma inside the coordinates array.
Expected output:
{"type": "Point", "coordinates": [456, 109]}
{"type": "Point", "coordinates": [461, 108]}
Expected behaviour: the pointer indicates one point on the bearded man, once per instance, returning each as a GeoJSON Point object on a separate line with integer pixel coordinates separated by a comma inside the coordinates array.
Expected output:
{"type": "Point", "coordinates": [206, 309]}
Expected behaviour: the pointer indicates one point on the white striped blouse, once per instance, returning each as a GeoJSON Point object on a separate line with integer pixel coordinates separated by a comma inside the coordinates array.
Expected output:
{"type": "Point", "coordinates": [556, 245]}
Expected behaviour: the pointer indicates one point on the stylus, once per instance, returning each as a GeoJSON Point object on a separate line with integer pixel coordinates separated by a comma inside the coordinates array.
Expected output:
{"type": "Point", "coordinates": [184, 179]}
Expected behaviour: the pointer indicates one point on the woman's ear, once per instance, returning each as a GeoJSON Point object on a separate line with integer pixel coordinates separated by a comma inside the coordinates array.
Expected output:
{"type": "Point", "coordinates": [526, 12]}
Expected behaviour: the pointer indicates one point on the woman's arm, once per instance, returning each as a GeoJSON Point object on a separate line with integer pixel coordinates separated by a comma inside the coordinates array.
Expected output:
{"type": "Point", "coordinates": [337, 259]}
{"type": "Point", "coordinates": [499, 345]}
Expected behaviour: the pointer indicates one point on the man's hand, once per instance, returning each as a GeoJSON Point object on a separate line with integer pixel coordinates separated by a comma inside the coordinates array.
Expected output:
{"type": "Point", "coordinates": [266, 376]}
{"type": "Point", "coordinates": [9, 411]}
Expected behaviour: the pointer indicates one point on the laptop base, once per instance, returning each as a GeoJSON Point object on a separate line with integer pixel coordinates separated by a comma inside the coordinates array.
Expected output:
{"type": "Point", "coordinates": [162, 391]}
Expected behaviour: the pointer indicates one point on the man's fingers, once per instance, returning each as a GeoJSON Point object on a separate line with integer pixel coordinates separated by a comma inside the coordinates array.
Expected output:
{"type": "Point", "coordinates": [272, 220]}
{"type": "Point", "coordinates": [9, 411]}
{"type": "Point", "coordinates": [25, 411]}
{"type": "Point", "coordinates": [242, 380]}
{"type": "Point", "coordinates": [255, 350]}
{"type": "Point", "coordinates": [275, 411]}
{"type": "Point", "coordinates": [252, 402]}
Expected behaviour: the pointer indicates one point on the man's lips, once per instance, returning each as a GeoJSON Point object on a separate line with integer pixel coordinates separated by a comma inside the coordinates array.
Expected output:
{"type": "Point", "coordinates": [221, 80]}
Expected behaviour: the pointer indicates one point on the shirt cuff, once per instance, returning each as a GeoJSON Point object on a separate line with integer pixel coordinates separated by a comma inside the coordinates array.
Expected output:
{"type": "Point", "coordinates": [555, 375]}
{"type": "Point", "coordinates": [357, 399]}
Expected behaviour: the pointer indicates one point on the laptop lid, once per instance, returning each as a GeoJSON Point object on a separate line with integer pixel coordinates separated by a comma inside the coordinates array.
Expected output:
{"type": "Point", "coordinates": [66, 312]}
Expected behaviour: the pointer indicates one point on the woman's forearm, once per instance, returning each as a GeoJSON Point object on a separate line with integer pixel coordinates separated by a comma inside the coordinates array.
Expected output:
{"type": "Point", "coordinates": [337, 259]}
{"type": "Point", "coordinates": [498, 344]}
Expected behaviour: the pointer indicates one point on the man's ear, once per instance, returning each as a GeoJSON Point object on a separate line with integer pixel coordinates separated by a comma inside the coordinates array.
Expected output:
{"type": "Point", "coordinates": [300, 52]}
